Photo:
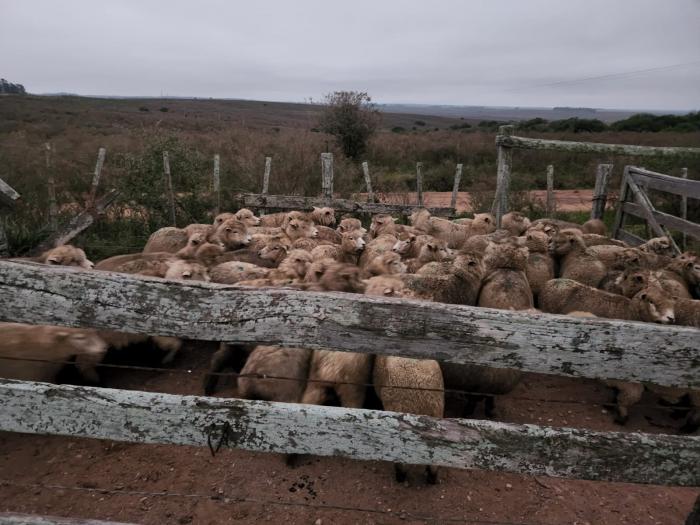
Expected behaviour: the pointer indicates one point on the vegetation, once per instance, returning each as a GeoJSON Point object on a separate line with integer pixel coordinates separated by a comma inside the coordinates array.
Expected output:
{"type": "Point", "coordinates": [352, 119]}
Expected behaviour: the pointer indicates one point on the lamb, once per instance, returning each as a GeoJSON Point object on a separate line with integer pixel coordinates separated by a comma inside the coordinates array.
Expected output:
{"type": "Point", "coordinates": [454, 282]}
{"type": "Point", "coordinates": [194, 241]}
{"type": "Point", "coordinates": [290, 363]}
{"type": "Point", "coordinates": [561, 296]}
{"type": "Point", "coordinates": [317, 270]}
{"type": "Point", "coordinates": [452, 233]}
{"type": "Point", "coordinates": [386, 263]}
{"type": "Point", "coordinates": [659, 246]}
{"type": "Point", "coordinates": [434, 250]}
{"type": "Point", "coordinates": [296, 229]}
{"type": "Point", "coordinates": [233, 272]}
{"type": "Point", "coordinates": [506, 285]}
{"type": "Point", "coordinates": [382, 224]}
{"type": "Point", "coordinates": [232, 234]}
{"type": "Point", "coordinates": [294, 266]}
{"type": "Point", "coordinates": [168, 239]}
{"type": "Point", "coordinates": [378, 245]}
{"type": "Point", "coordinates": [515, 222]}
{"type": "Point", "coordinates": [322, 216]}
{"type": "Point", "coordinates": [65, 255]}
{"type": "Point", "coordinates": [342, 277]}
{"type": "Point", "coordinates": [185, 270]}
{"type": "Point", "coordinates": [594, 226]}
{"type": "Point", "coordinates": [205, 229]}
{"type": "Point", "coordinates": [576, 261]}
{"type": "Point", "coordinates": [41, 344]}
{"type": "Point", "coordinates": [540, 265]}
{"type": "Point", "coordinates": [349, 224]}
{"type": "Point", "coordinates": [687, 312]}
{"type": "Point", "coordinates": [681, 278]}
{"type": "Point", "coordinates": [244, 215]}
{"type": "Point", "coordinates": [269, 255]}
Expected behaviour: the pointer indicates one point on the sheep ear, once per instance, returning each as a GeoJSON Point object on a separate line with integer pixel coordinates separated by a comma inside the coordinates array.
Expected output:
{"type": "Point", "coordinates": [395, 219]}
{"type": "Point", "coordinates": [643, 297]}
{"type": "Point", "coordinates": [316, 209]}
{"type": "Point", "coordinates": [388, 291]}
{"type": "Point", "coordinates": [54, 259]}
{"type": "Point", "coordinates": [487, 220]}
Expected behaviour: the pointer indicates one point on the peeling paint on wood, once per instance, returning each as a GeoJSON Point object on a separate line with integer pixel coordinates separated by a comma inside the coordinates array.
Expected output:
{"type": "Point", "coordinates": [144, 417]}
{"type": "Point", "coordinates": [297, 202]}
{"type": "Point", "coordinates": [561, 345]}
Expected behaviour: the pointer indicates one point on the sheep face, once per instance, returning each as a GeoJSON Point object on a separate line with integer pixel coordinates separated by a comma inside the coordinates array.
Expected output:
{"type": "Point", "coordinates": [247, 217]}
{"type": "Point", "coordinates": [83, 341]}
{"type": "Point", "coordinates": [66, 255]}
{"type": "Point", "coordinates": [324, 216]}
{"type": "Point", "coordinates": [273, 251]}
{"type": "Point", "coordinates": [384, 286]}
{"type": "Point", "coordinates": [632, 282]}
{"type": "Point", "coordinates": [537, 241]}
{"type": "Point", "coordinates": [296, 264]}
{"type": "Point", "coordinates": [483, 223]}
{"type": "Point", "coordinates": [222, 217]}
{"type": "Point", "coordinates": [659, 246]}
{"type": "Point", "coordinates": [655, 306]}
{"type": "Point", "coordinates": [381, 223]}
{"type": "Point", "coordinates": [317, 270]}
{"type": "Point", "coordinates": [402, 247]}
{"type": "Point", "coordinates": [515, 222]}
{"type": "Point", "coordinates": [435, 250]}
{"type": "Point", "coordinates": [565, 242]}
{"type": "Point", "coordinates": [352, 242]}
{"type": "Point", "coordinates": [187, 271]}
{"type": "Point", "coordinates": [690, 268]}
{"type": "Point", "coordinates": [233, 234]}
{"type": "Point", "coordinates": [350, 224]}
{"type": "Point", "coordinates": [341, 277]}
{"type": "Point", "coordinates": [297, 228]}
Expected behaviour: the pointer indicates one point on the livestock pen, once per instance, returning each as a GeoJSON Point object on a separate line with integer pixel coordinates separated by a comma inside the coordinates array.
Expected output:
{"type": "Point", "coordinates": [552, 345]}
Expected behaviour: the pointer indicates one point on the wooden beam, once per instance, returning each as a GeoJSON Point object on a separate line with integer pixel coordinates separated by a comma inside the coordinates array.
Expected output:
{"type": "Point", "coordinates": [327, 176]}
{"type": "Point", "coordinates": [648, 210]}
{"type": "Point", "coordinates": [169, 186]}
{"type": "Point", "coordinates": [662, 182]}
{"type": "Point", "coordinates": [216, 184]}
{"type": "Point", "coordinates": [266, 175]}
{"type": "Point", "coordinates": [419, 183]}
{"type": "Point", "coordinates": [503, 170]}
{"type": "Point", "coordinates": [13, 518]}
{"type": "Point", "coordinates": [629, 238]}
{"type": "Point", "coordinates": [551, 203]}
{"type": "Point", "coordinates": [146, 417]}
{"type": "Point", "coordinates": [368, 182]}
{"type": "Point", "coordinates": [298, 202]}
{"type": "Point", "coordinates": [455, 186]}
{"type": "Point", "coordinates": [8, 196]}
{"type": "Point", "coordinates": [600, 192]}
{"type": "Point", "coordinates": [550, 344]}
{"type": "Point", "coordinates": [591, 147]}
{"type": "Point", "coordinates": [96, 176]}
{"type": "Point", "coordinates": [77, 224]}
{"type": "Point", "coordinates": [51, 188]}
{"type": "Point", "coordinates": [684, 209]}
{"type": "Point", "coordinates": [619, 222]}
{"type": "Point", "coordinates": [664, 219]}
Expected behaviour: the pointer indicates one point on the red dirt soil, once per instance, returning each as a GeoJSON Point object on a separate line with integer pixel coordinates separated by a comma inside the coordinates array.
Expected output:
{"type": "Point", "coordinates": [203, 489]}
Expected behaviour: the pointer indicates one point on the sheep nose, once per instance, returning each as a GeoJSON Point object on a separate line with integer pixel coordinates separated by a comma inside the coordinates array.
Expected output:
{"type": "Point", "coordinates": [670, 319]}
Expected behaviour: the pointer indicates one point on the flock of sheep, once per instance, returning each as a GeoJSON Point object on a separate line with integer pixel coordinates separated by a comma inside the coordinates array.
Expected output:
{"type": "Point", "coordinates": [545, 265]}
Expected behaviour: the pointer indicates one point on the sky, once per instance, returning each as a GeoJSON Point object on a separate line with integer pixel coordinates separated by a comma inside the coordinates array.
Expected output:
{"type": "Point", "coordinates": [627, 54]}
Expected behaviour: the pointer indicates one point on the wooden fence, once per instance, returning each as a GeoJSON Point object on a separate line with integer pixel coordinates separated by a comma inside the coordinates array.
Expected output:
{"type": "Point", "coordinates": [635, 201]}
{"type": "Point", "coordinates": [667, 355]}
{"type": "Point", "coordinates": [506, 142]}
{"type": "Point", "coordinates": [8, 198]}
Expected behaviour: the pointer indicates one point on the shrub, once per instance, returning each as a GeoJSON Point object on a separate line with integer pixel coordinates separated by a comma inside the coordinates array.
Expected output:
{"type": "Point", "coordinates": [351, 118]}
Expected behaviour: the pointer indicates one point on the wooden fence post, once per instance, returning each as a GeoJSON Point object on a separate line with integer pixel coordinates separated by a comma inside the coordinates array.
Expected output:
{"type": "Point", "coordinates": [551, 203]}
{"type": "Point", "coordinates": [51, 185]}
{"type": "Point", "coordinates": [619, 222]}
{"type": "Point", "coordinates": [266, 175]}
{"type": "Point", "coordinates": [684, 214]}
{"type": "Point", "coordinates": [169, 182]}
{"type": "Point", "coordinates": [455, 187]}
{"type": "Point", "coordinates": [600, 193]}
{"type": "Point", "coordinates": [505, 159]}
{"type": "Point", "coordinates": [4, 244]}
{"type": "Point", "coordinates": [217, 184]}
{"type": "Point", "coordinates": [96, 176]}
{"type": "Point", "coordinates": [8, 198]}
{"type": "Point", "coordinates": [327, 175]}
{"type": "Point", "coordinates": [368, 181]}
{"type": "Point", "coordinates": [419, 182]}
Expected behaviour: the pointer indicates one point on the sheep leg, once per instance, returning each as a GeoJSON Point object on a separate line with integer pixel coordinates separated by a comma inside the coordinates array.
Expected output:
{"type": "Point", "coordinates": [351, 396]}
{"type": "Point", "coordinates": [315, 394]}
{"type": "Point", "coordinates": [86, 366]}
{"type": "Point", "coordinates": [400, 472]}
{"type": "Point", "coordinates": [218, 361]}
{"type": "Point", "coordinates": [431, 475]}
{"type": "Point", "coordinates": [171, 345]}
{"type": "Point", "coordinates": [628, 394]}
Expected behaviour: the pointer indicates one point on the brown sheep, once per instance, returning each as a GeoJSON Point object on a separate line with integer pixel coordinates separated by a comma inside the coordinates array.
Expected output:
{"type": "Point", "coordinates": [277, 362]}
{"type": "Point", "coordinates": [455, 235]}
{"type": "Point", "coordinates": [540, 265]}
{"type": "Point", "coordinates": [386, 263]}
{"type": "Point", "coordinates": [247, 217]}
{"type": "Point", "coordinates": [454, 282]}
{"type": "Point", "coordinates": [328, 234]}
{"type": "Point", "coordinates": [619, 258]}
{"type": "Point", "coordinates": [185, 270]}
{"type": "Point", "coordinates": [42, 344]}
{"type": "Point", "coordinates": [208, 253]}
{"type": "Point", "coordinates": [350, 224]}
{"type": "Point", "coordinates": [268, 256]}
{"type": "Point", "coordinates": [659, 246]}
{"type": "Point", "coordinates": [387, 286]}
{"type": "Point", "coordinates": [206, 229]}
{"type": "Point", "coordinates": [515, 222]}
{"type": "Point", "coordinates": [434, 250]}
{"type": "Point", "coordinates": [344, 373]}
{"type": "Point", "coordinates": [66, 255]}
{"type": "Point", "coordinates": [296, 229]}
{"type": "Point", "coordinates": [352, 244]}
{"type": "Point", "coordinates": [233, 272]}
{"type": "Point", "coordinates": [595, 226]}
{"type": "Point", "coordinates": [342, 277]}
{"type": "Point", "coordinates": [194, 241]}
{"type": "Point", "coordinates": [294, 266]}
{"type": "Point", "coordinates": [317, 270]}
{"type": "Point", "coordinates": [233, 234]}
{"type": "Point", "coordinates": [325, 251]}
{"type": "Point", "coordinates": [382, 224]}
{"type": "Point", "coordinates": [681, 278]}
{"type": "Point", "coordinates": [168, 239]}
{"type": "Point", "coordinates": [506, 285]}
{"type": "Point", "coordinates": [575, 260]}
{"type": "Point", "coordinates": [378, 245]}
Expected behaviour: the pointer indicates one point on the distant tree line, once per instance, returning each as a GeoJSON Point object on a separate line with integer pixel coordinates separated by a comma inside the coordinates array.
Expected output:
{"type": "Point", "coordinates": [9, 87]}
{"type": "Point", "coordinates": [638, 122]}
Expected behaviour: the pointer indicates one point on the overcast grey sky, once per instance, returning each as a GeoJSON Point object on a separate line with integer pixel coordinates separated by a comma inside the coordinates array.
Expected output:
{"type": "Point", "coordinates": [508, 52]}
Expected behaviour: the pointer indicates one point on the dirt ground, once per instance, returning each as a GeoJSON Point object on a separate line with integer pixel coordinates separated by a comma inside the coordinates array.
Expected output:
{"type": "Point", "coordinates": [155, 484]}
{"type": "Point", "coordinates": [566, 200]}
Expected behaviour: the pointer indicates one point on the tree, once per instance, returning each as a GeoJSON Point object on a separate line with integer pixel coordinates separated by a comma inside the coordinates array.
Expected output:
{"type": "Point", "coordinates": [351, 118]}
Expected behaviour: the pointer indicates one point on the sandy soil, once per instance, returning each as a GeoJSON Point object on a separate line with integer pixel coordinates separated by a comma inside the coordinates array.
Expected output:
{"type": "Point", "coordinates": [566, 200]}
{"type": "Point", "coordinates": [68, 476]}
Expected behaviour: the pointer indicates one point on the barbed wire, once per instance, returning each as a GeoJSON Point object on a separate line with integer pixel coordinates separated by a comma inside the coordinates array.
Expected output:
{"type": "Point", "coordinates": [260, 501]}
{"type": "Point", "coordinates": [459, 393]}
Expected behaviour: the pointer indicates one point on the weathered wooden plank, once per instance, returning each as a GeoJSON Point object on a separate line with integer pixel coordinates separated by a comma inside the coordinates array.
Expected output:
{"type": "Point", "coordinates": [664, 219]}
{"type": "Point", "coordinates": [77, 224]}
{"type": "Point", "coordinates": [591, 147]}
{"type": "Point", "coordinates": [562, 345]}
{"type": "Point", "coordinates": [145, 417]}
{"type": "Point", "coordinates": [216, 184]}
{"type": "Point", "coordinates": [648, 210]}
{"type": "Point", "coordinates": [619, 222]}
{"type": "Point", "coordinates": [455, 186]}
{"type": "Point", "coordinates": [419, 183]}
{"type": "Point", "coordinates": [12, 518]}
{"type": "Point", "coordinates": [600, 191]}
{"type": "Point", "coordinates": [667, 183]}
{"type": "Point", "coordinates": [327, 175]}
{"type": "Point", "coordinates": [8, 196]}
{"type": "Point", "coordinates": [51, 188]}
{"type": "Point", "coordinates": [298, 202]}
{"type": "Point", "coordinates": [629, 238]}
{"type": "Point", "coordinates": [266, 175]}
{"type": "Point", "coordinates": [368, 182]}
{"type": "Point", "coordinates": [684, 209]}
{"type": "Point", "coordinates": [169, 186]}
{"type": "Point", "coordinates": [503, 170]}
{"type": "Point", "coordinates": [551, 203]}
{"type": "Point", "coordinates": [96, 176]}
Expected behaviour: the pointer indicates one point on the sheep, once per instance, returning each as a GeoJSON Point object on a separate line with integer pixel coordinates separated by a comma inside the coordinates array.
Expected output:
{"type": "Point", "coordinates": [189, 251]}
{"type": "Point", "coordinates": [479, 243]}
{"type": "Point", "coordinates": [627, 283]}
{"type": "Point", "coordinates": [235, 271]}
{"type": "Point", "coordinates": [540, 265]}
{"type": "Point", "coordinates": [452, 233]}
{"type": "Point", "coordinates": [378, 245]}
{"type": "Point", "coordinates": [290, 363]}
{"type": "Point", "coordinates": [387, 286]}
{"type": "Point", "coordinates": [434, 250]}
{"type": "Point", "coordinates": [328, 234]}
{"type": "Point", "coordinates": [593, 239]}
{"type": "Point", "coordinates": [687, 312]}
{"type": "Point", "coordinates": [294, 266]}
{"type": "Point", "coordinates": [651, 304]}
{"type": "Point", "coordinates": [317, 269]}
{"type": "Point", "coordinates": [247, 217]}
{"type": "Point", "coordinates": [38, 353]}
{"type": "Point", "coordinates": [66, 255]}
{"type": "Point", "coordinates": [208, 253]}
{"type": "Point", "coordinates": [515, 222]}
{"type": "Point", "coordinates": [575, 260]}
{"type": "Point", "coordinates": [168, 239]}
{"type": "Point", "coordinates": [297, 228]}
{"type": "Point", "coordinates": [385, 264]}
{"type": "Point", "coordinates": [455, 282]}
{"type": "Point", "coordinates": [232, 234]}
{"type": "Point", "coordinates": [114, 264]}
{"type": "Point", "coordinates": [659, 246]}
{"type": "Point", "coordinates": [205, 229]}
{"type": "Point", "coordinates": [506, 285]}
{"type": "Point", "coordinates": [349, 224]}
{"type": "Point", "coordinates": [341, 277]}
{"type": "Point", "coordinates": [619, 258]}
{"type": "Point", "coordinates": [594, 226]}
{"type": "Point", "coordinates": [382, 224]}
{"type": "Point", "coordinates": [681, 277]}
{"type": "Point", "coordinates": [326, 251]}
{"type": "Point", "coordinates": [344, 373]}
{"type": "Point", "coordinates": [322, 216]}
{"type": "Point", "coordinates": [185, 270]}
{"type": "Point", "coordinates": [269, 255]}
